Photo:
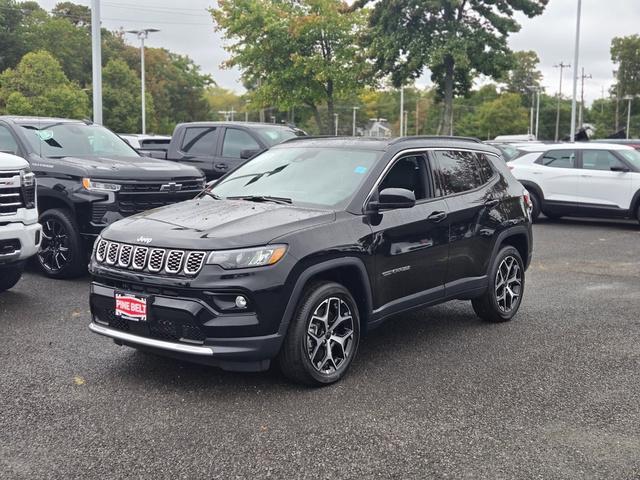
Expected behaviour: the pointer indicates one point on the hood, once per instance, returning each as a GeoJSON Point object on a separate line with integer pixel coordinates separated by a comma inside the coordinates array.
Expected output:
{"type": "Point", "coordinates": [210, 224]}
{"type": "Point", "coordinates": [118, 168]}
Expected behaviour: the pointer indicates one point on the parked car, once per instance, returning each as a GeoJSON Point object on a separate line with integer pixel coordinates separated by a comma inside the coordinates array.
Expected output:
{"type": "Point", "coordinates": [88, 178]}
{"type": "Point", "coordinates": [147, 144]}
{"type": "Point", "coordinates": [20, 232]}
{"type": "Point", "coordinates": [218, 147]}
{"type": "Point", "coordinates": [581, 179]}
{"type": "Point", "coordinates": [303, 249]}
{"type": "Point", "coordinates": [632, 142]}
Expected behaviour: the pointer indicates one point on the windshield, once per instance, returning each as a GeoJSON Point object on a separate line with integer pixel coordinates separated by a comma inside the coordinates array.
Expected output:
{"type": "Point", "coordinates": [274, 135]}
{"type": "Point", "coordinates": [323, 177]}
{"type": "Point", "coordinates": [71, 139]}
{"type": "Point", "coordinates": [633, 157]}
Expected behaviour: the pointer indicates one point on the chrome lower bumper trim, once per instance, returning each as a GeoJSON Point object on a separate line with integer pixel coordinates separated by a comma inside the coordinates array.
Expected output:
{"type": "Point", "coordinates": [150, 342]}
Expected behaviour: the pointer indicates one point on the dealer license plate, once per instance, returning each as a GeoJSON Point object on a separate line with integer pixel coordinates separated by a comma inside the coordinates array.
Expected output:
{"type": "Point", "coordinates": [131, 307]}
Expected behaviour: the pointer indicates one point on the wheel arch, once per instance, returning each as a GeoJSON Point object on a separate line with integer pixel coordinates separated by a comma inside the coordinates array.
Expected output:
{"type": "Point", "coordinates": [47, 201]}
{"type": "Point", "coordinates": [635, 204]}
{"type": "Point", "coordinates": [534, 188]}
{"type": "Point", "coordinates": [518, 237]}
{"type": "Point", "coordinates": [347, 271]}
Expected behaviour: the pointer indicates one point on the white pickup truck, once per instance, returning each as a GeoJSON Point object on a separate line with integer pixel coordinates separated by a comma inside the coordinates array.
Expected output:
{"type": "Point", "coordinates": [20, 232]}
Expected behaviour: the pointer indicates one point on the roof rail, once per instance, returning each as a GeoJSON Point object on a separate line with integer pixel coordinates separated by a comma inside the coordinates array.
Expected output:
{"type": "Point", "coordinates": [436, 137]}
{"type": "Point", "coordinates": [307, 137]}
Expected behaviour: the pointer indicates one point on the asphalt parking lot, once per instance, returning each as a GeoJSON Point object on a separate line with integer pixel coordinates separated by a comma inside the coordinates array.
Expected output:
{"type": "Point", "coordinates": [432, 394]}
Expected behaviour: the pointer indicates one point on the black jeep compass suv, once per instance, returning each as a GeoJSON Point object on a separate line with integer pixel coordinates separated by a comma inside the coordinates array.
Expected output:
{"type": "Point", "coordinates": [297, 253]}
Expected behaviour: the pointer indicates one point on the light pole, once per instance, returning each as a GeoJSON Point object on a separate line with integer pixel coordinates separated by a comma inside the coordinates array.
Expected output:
{"type": "Point", "coordinates": [576, 58]}
{"type": "Point", "coordinates": [629, 98]}
{"type": "Point", "coordinates": [561, 66]}
{"type": "Point", "coordinates": [96, 61]}
{"type": "Point", "coordinates": [246, 110]}
{"type": "Point", "coordinates": [355, 109]}
{"type": "Point", "coordinates": [535, 98]}
{"type": "Point", "coordinates": [401, 111]}
{"type": "Point", "coordinates": [142, 35]}
{"type": "Point", "coordinates": [537, 111]}
{"type": "Point", "coordinates": [582, 78]}
{"type": "Point", "coordinates": [335, 122]}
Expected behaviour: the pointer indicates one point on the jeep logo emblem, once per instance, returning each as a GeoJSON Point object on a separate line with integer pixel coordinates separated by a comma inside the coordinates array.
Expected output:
{"type": "Point", "coordinates": [142, 239]}
{"type": "Point", "coordinates": [171, 187]}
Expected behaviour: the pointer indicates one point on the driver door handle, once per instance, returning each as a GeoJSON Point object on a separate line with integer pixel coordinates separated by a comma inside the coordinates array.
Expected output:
{"type": "Point", "coordinates": [437, 217]}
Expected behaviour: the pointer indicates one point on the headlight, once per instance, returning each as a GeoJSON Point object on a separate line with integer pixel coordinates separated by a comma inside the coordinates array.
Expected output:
{"type": "Point", "coordinates": [92, 185]}
{"type": "Point", "coordinates": [27, 177]}
{"type": "Point", "coordinates": [247, 257]}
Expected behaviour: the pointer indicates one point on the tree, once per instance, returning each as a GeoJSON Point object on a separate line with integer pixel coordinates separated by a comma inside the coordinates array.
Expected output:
{"type": "Point", "coordinates": [524, 73]}
{"type": "Point", "coordinates": [625, 53]}
{"type": "Point", "coordinates": [38, 86]}
{"type": "Point", "coordinates": [121, 98]}
{"type": "Point", "coordinates": [79, 15]}
{"type": "Point", "coordinates": [503, 116]}
{"type": "Point", "coordinates": [295, 53]}
{"type": "Point", "coordinates": [454, 39]}
{"type": "Point", "coordinates": [13, 16]}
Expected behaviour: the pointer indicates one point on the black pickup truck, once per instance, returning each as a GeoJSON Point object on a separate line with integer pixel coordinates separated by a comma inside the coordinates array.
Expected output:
{"type": "Point", "coordinates": [218, 147]}
{"type": "Point", "coordinates": [88, 178]}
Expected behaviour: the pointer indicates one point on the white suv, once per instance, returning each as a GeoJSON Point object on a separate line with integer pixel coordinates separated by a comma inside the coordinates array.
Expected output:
{"type": "Point", "coordinates": [20, 232]}
{"type": "Point", "coordinates": [581, 179]}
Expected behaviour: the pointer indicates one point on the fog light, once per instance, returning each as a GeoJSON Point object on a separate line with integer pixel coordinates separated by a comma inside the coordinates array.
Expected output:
{"type": "Point", "coordinates": [241, 302]}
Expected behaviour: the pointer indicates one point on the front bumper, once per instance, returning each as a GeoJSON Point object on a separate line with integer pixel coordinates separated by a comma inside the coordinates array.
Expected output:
{"type": "Point", "coordinates": [27, 238]}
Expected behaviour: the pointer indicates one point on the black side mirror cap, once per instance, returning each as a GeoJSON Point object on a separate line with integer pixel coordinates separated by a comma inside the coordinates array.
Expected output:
{"type": "Point", "coordinates": [620, 169]}
{"type": "Point", "coordinates": [392, 198]}
{"type": "Point", "coordinates": [247, 154]}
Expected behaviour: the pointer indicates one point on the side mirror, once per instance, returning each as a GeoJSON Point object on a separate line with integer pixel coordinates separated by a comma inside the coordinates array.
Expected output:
{"type": "Point", "coordinates": [620, 169]}
{"type": "Point", "coordinates": [247, 154]}
{"type": "Point", "coordinates": [392, 198]}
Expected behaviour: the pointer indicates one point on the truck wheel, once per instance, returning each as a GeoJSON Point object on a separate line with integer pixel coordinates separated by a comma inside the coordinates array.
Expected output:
{"type": "Point", "coordinates": [62, 253]}
{"type": "Point", "coordinates": [502, 299]}
{"type": "Point", "coordinates": [9, 276]}
{"type": "Point", "coordinates": [323, 336]}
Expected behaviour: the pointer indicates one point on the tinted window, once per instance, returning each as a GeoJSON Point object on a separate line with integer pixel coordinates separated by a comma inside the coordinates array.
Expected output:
{"type": "Point", "coordinates": [325, 177]}
{"type": "Point", "coordinates": [237, 140]}
{"type": "Point", "coordinates": [274, 135]}
{"type": "Point", "coordinates": [485, 167]}
{"type": "Point", "coordinates": [200, 141]}
{"type": "Point", "coordinates": [558, 159]}
{"type": "Point", "coordinates": [632, 156]}
{"type": "Point", "coordinates": [456, 172]}
{"type": "Point", "coordinates": [7, 142]}
{"type": "Point", "coordinates": [599, 160]}
{"type": "Point", "coordinates": [407, 173]}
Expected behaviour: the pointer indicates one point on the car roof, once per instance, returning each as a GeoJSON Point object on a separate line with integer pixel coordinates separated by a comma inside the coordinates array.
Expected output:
{"type": "Point", "coordinates": [545, 147]}
{"type": "Point", "coordinates": [386, 143]}
{"type": "Point", "coordinates": [237, 124]}
{"type": "Point", "coordinates": [34, 119]}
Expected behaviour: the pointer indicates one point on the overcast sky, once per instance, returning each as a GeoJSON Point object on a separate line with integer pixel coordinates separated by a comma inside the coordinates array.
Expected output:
{"type": "Point", "coordinates": [188, 29]}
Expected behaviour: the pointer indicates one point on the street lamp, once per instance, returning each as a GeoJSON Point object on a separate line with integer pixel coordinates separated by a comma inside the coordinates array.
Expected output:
{"type": "Point", "coordinates": [576, 58]}
{"type": "Point", "coordinates": [96, 61]}
{"type": "Point", "coordinates": [335, 116]}
{"type": "Point", "coordinates": [142, 35]}
{"type": "Point", "coordinates": [246, 110]}
{"type": "Point", "coordinates": [354, 120]}
{"type": "Point", "coordinates": [535, 95]}
{"type": "Point", "coordinates": [561, 66]}
{"type": "Point", "coordinates": [629, 98]}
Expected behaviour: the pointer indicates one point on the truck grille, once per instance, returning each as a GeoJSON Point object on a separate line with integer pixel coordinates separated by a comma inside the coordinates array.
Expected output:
{"type": "Point", "coordinates": [10, 193]}
{"type": "Point", "coordinates": [152, 260]}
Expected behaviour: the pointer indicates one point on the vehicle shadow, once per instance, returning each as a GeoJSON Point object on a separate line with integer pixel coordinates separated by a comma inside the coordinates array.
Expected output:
{"type": "Point", "coordinates": [631, 225]}
{"type": "Point", "coordinates": [406, 336]}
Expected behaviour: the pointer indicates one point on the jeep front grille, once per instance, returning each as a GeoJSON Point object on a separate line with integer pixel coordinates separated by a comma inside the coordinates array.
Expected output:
{"type": "Point", "coordinates": [152, 260]}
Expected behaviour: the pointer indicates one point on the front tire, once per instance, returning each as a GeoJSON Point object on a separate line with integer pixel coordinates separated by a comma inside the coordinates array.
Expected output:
{"type": "Point", "coordinates": [9, 276]}
{"type": "Point", "coordinates": [62, 253]}
{"type": "Point", "coordinates": [502, 299]}
{"type": "Point", "coordinates": [323, 336]}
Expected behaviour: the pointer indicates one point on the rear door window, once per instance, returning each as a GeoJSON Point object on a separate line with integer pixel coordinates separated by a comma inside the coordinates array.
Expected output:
{"type": "Point", "coordinates": [558, 159]}
{"type": "Point", "coordinates": [200, 141]}
{"type": "Point", "coordinates": [600, 160]}
{"type": "Point", "coordinates": [456, 171]}
{"type": "Point", "coordinates": [237, 140]}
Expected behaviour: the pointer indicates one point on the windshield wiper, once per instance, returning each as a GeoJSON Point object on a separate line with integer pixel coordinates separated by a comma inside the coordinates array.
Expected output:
{"type": "Point", "coordinates": [262, 198]}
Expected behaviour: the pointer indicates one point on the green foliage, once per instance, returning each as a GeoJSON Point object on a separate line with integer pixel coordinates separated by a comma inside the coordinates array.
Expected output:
{"type": "Point", "coordinates": [524, 73]}
{"type": "Point", "coordinates": [503, 116]}
{"type": "Point", "coordinates": [295, 53]}
{"type": "Point", "coordinates": [121, 98]}
{"type": "Point", "coordinates": [625, 53]}
{"type": "Point", "coordinates": [454, 39]}
{"type": "Point", "coordinates": [38, 86]}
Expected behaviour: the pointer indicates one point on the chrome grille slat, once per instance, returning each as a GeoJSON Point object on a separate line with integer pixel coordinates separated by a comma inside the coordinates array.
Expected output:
{"type": "Point", "coordinates": [150, 259]}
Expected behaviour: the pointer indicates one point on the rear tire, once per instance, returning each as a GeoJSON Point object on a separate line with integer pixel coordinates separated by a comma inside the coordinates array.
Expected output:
{"type": "Point", "coordinates": [62, 252]}
{"type": "Point", "coordinates": [552, 216]}
{"type": "Point", "coordinates": [535, 209]}
{"type": "Point", "coordinates": [9, 276]}
{"type": "Point", "coordinates": [323, 337]}
{"type": "Point", "coordinates": [502, 299]}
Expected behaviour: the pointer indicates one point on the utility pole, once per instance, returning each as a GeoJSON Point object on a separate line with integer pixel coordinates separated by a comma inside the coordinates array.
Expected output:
{"type": "Point", "coordinates": [406, 122]}
{"type": "Point", "coordinates": [537, 111]}
{"type": "Point", "coordinates": [561, 66]}
{"type": "Point", "coordinates": [401, 111]}
{"type": "Point", "coordinates": [582, 78]}
{"type": "Point", "coordinates": [576, 59]}
{"type": "Point", "coordinates": [335, 118]}
{"type": "Point", "coordinates": [96, 61]}
{"type": "Point", "coordinates": [417, 116]}
{"type": "Point", "coordinates": [143, 35]}
{"type": "Point", "coordinates": [354, 120]}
